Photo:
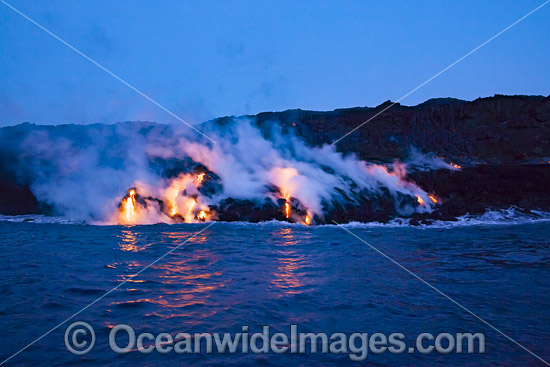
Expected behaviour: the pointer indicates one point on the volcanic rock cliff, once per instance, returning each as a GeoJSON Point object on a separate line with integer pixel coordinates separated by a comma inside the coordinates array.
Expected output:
{"type": "Point", "coordinates": [501, 143]}
{"type": "Point", "coordinates": [494, 131]}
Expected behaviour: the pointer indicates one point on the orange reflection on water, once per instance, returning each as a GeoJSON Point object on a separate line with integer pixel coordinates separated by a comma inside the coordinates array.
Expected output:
{"type": "Point", "coordinates": [179, 238]}
{"type": "Point", "coordinates": [287, 277]}
{"type": "Point", "coordinates": [179, 284]}
{"type": "Point", "coordinates": [129, 242]}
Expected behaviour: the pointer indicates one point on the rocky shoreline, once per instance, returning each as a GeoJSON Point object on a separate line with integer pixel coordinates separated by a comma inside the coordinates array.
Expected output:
{"type": "Point", "coordinates": [501, 143]}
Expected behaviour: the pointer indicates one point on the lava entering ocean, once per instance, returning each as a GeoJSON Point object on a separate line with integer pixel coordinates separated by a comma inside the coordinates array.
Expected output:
{"type": "Point", "coordinates": [179, 202]}
{"type": "Point", "coordinates": [304, 190]}
{"type": "Point", "coordinates": [144, 173]}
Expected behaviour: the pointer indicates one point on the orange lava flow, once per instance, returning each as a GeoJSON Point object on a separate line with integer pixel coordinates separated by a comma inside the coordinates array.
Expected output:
{"type": "Point", "coordinates": [192, 206]}
{"type": "Point", "coordinates": [287, 210]}
{"type": "Point", "coordinates": [199, 179]}
{"type": "Point", "coordinates": [130, 206]}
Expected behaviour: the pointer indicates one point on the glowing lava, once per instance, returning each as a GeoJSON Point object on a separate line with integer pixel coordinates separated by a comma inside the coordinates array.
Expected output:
{"type": "Point", "coordinates": [287, 210]}
{"type": "Point", "coordinates": [202, 215]}
{"type": "Point", "coordinates": [182, 197]}
{"type": "Point", "coordinates": [199, 179]}
{"type": "Point", "coordinates": [286, 196]}
{"type": "Point", "coordinates": [130, 206]}
{"type": "Point", "coordinates": [174, 210]}
{"type": "Point", "coordinates": [192, 206]}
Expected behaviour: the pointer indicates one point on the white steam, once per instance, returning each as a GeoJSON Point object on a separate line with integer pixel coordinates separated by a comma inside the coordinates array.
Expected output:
{"type": "Point", "coordinates": [84, 172]}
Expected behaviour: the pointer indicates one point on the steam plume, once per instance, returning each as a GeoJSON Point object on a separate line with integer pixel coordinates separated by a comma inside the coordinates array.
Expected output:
{"type": "Point", "coordinates": [89, 172]}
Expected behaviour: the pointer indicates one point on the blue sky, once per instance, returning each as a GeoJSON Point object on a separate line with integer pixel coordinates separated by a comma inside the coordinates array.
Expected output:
{"type": "Point", "coordinates": [203, 59]}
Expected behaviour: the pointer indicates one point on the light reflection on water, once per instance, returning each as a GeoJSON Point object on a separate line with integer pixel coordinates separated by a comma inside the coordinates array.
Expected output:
{"type": "Point", "coordinates": [129, 242]}
{"type": "Point", "coordinates": [288, 275]}
{"type": "Point", "coordinates": [255, 275]}
{"type": "Point", "coordinates": [182, 279]}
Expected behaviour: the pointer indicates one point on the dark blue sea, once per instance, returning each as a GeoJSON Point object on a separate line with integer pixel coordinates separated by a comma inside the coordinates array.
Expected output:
{"type": "Point", "coordinates": [322, 279]}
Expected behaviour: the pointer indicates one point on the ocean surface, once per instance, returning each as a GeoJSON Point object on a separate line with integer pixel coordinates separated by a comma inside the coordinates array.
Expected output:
{"type": "Point", "coordinates": [322, 279]}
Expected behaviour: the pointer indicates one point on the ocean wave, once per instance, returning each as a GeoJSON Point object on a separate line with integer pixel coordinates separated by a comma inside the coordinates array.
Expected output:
{"type": "Point", "coordinates": [34, 218]}
{"type": "Point", "coordinates": [510, 216]}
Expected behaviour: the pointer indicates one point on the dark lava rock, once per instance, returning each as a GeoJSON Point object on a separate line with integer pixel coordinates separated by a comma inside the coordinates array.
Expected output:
{"type": "Point", "coordinates": [16, 199]}
{"type": "Point", "coordinates": [503, 143]}
{"type": "Point", "coordinates": [494, 130]}
{"type": "Point", "coordinates": [475, 189]}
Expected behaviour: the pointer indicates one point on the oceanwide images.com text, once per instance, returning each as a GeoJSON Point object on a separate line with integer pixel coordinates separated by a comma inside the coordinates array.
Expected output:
{"type": "Point", "coordinates": [80, 339]}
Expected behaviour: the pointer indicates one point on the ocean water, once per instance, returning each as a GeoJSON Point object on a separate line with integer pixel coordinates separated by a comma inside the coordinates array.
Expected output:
{"type": "Point", "coordinates": [320, 278]}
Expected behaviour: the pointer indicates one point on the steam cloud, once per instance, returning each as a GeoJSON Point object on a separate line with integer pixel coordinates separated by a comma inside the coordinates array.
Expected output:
{"type": "Point", "coordinates": [85, 172]}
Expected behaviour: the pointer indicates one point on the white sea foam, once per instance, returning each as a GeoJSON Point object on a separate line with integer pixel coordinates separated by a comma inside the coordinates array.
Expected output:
{"type": "Point", "coordinates": [510, 216]}
{"type": "Point", "coordinates": [32, 218]}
